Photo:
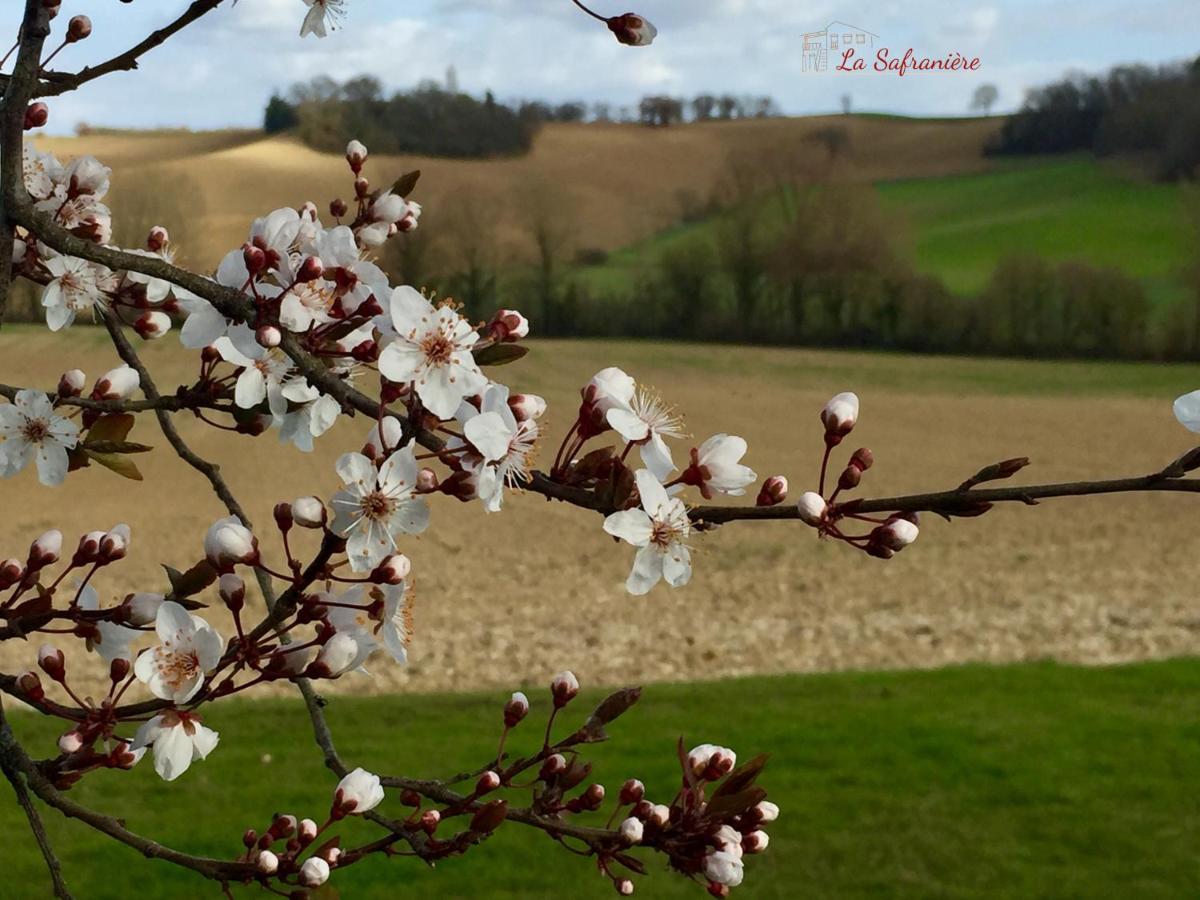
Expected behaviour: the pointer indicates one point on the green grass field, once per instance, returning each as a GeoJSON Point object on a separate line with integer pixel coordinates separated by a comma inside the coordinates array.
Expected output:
{"type": "Point", "coordinates": [1025, 781]}
{"type": "Point", "coordinates": [959, 227]}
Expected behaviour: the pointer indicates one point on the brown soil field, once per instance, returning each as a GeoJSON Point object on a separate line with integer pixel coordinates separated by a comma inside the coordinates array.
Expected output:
{"type": "Point", "coordinates": [510, 598]}
{"type": "Point", "coordinates": [615, 183]}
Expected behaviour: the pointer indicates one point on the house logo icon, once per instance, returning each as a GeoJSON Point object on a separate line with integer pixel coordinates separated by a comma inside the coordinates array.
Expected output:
{"type": "Point", "coordinates": [836, 38]}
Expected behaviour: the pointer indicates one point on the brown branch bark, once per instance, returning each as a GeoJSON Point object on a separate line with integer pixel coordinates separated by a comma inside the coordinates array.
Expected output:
{"type": "Point", "coordinates": [55, 83]}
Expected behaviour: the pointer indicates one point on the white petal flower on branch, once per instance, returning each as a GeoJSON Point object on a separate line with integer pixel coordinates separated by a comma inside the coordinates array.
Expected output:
{"type": "Point", "coordinates": [724, 868]}
{"type": "Point", "coordinates": [432, 351]}
{"type": "Point", "coordinates": [43, 172]}
{"type": "Point", "coordinates": [111, 641]}
{"type": "Point", "coordinates": [178, 740]}
{"type": "Point", "coordinates": [75, 286]}
{"type": "Point", "coordinates": [190, 649]}
{"type": "Point", "coordinates": [716, 466]}
{"type": "Point", "coordinates": [505, 446]}
{"type": "Point", "coordinates": [658, 530]}
{"type": "Point", "coordinates": [309, 414]}
{"type": "Point", "coordinates": [646, 421]}
{"type": "Point", "coordinates": [29, 429]}
{"type": "Point", "coordinates": [323, 15]}
{"type": "Point", "coordinates": [376, 504]}
{"type": "Point", "coordinates": [1187, 411]}
{"type": "Point", "coordinates": [263, 370]}
{"type": "Point", "coordinates": [359, 792]}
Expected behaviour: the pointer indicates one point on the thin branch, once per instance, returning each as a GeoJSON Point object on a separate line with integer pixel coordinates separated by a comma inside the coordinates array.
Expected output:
{"type": "Point", "coordinates": [63, 82]}
{"type": "Point", "coordinates": [169, 403]}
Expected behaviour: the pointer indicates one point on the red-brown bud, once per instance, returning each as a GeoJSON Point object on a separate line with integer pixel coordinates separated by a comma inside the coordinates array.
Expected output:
{"type": "Point", "coordinates": [31, 686]}
{"type": "Point", "coordinates": [36, 115]}
{"type": "Point", "coordinates": [338, 208]}
{"type": "Point", "coordinates": [773, 492]}
{"type": "Point", "coordinates": [79, 28]}
{"type": "Point", "coordinates": [632, 791]}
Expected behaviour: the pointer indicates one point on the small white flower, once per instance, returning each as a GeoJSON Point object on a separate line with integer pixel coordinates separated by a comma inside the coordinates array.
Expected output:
{"type": "Point", "coordinates": [75, 286]}
{"type": "Point", "coordinates": [646, 421]}
{"type": "Point", "coordinates": [609, 389]}
{"type": "Point", "coordinates": [178, 740]}
{"type": "Point", "coordinates": [376, 504]}
{"type": "Point", "coordinates": [118, 383]}
{"type": "Point", "coordinates": [716, 467]}
{"type": "Point", "coordinates": [505, 446]}
{"type": "Point", "coordinates": [29, 428]}
{"type": "Point", "coordinates": [658, 530]}
{"type": "Point", "coordinates": [359, 792]}
{"type": "Point", "coordinates": [432, 351]}
{"type": "Point", "coordinates": [228, 543]}
{"type": "Point", "coordinates": [723, 868]}
{"type": "Point", "coordinates": [263, 370]}
{"type": "Point", "coordinates": [111, 640]}
{"type": "Point", "coordinates": [42, 172]}
{"type": "Point", "coordinates": [190, 649]}
{"type": "Point", "coordinates": [310, 414]}
{"type": "Point", "coordinates": [319, 14]}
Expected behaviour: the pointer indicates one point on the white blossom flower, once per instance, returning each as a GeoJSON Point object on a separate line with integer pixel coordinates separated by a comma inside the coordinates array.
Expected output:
{"type": "Point", "coordinates": [646, 421]}
{"type": "Point", "coordinates": [111, 640]}
{"type": "Point", "coordinates": [505, 446]}
{"type": "Point", "coordinates": [43, 172]}
{"type": "Point", "coordinates": [75, 286]}
{"type": "Point", "coordinates": [263, 370]}
{"type": "Point", "coordinates": [376, 504]}
{"type": "Point", "coordinates": [309, 414]}
{"type": "Point", "coordinates": [724, 868]}
{"type": "Point", "coordinates": [658, 530]}
{"type": "Point", "coordinates": [344, 652]}
{"type": "Point", "coordinates": [716, 467]}
{"type": "Point", "coordinates": [190, 649]}
{"type": "Point", "coordinates": [178, 740]}
{"type": "Point", "coordinates": [322, 15]}
{"type": "Point", "coordinates": [432, 350]}
{"type": "Point", "coordinates": [204, 325]}
{"type": "Point", "coordinates": [610, 389]}
{"type": "Point", "coordinates": [228, 543]}
{"type": "Point", "coordinates": [29, 428]}
{"type": "Point", "coordinates": [359, 792]}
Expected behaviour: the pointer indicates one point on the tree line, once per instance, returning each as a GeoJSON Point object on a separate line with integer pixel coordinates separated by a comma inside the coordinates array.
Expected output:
{"type": "Point", "coordinates": [1150, 111]}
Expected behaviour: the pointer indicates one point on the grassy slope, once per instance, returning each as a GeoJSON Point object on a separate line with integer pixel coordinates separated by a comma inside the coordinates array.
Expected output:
{"type": "Point", "coordinates": [960, 226]}
{"type": "Point", "coordinates": [1025, 781]}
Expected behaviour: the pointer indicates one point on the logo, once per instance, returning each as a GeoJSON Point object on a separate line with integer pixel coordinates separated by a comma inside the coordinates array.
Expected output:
{"type": "Point", "coordinates": [841, 47]}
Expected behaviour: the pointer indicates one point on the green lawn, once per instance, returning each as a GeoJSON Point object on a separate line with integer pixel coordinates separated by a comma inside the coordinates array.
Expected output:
{"type": "Point", "coordinates": [1023, 781]}
{"type": "Point", "coordinates": [959, 227]}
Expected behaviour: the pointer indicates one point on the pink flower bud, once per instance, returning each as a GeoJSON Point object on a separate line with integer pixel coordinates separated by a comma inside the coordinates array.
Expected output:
{"type": "Point", "coordinates": [427, 481]}
{"type": "Point", "coordinates": [283, 825]}
{"type": "Point", "coordinates": [310, 270]}
{"type": "Point", "coordinates": [338, 208]}
{"type": "Point", "coordinates": [254, 257]}
{"type": "Point", "coordinates": [45, 550]}
{"type": "Point", "coordinates": [554, 764]}
{"type": "Point", "coordinates": [661, 815]}
{"type": "Point", "coordinates": [268, 336]}
{"type": "Point", "coordinates": [755, 842]}
{"type": "Point", "coordinates": [773, 492]}
{"type": "Point", "coordinates": [812, 508]}
{"type": "Point", "coordinates": [508, 326]}
{"type": "Point", "coordinates": [233, 591]}
{"type": "Point", "coordinates": [362, 188]}
{"type": "Point", "coordinates": [122, 757]}
{"type": "Point", "coordinates": [487, 783]}
{"type": "Point", "coordinates": [307, 831]}
{"type": "Point", "coordinates": [115, 544]}
{"type": "Point", "coordinates": [267, 862]}
{"type": "Point", "coordinates": [516, 709]}
{"type": "Point", "coordinates": [118, 384]}
{"type": "Point", "coordinates": [52, 662]}
{"type": "Point", "coordinates": [229, 543]}
{"type": "Point", "coordinates": [309, 512]}
{"type": "Point", "coordinates": [632, 30]}
{"type": "Point", "coordinates": [158, 239]}
{"type": "Point", "coordinates": [897, 534]}
{"type": "Point", "coordinates": [31, 686]}
{"type": "Point", "coordinates": [526, 407]}
{"type": "Point", "coordinates": [142, 609]}
{"type": "Point", "coordinates": [839, 417]}
{"type": "Point", "coordinates": [632, 830]}
{"type": "Point", "coordinates": [356, 155]}
{"type": "Point", "coordinates": [766, 811]}
{"type": "Point", "coordinates": [11, 571]}
{"type": "Point", "coordinates": [78, 28]}
{"type": "Point", "coordinates": [429, 820]}
{"type": "Point", "coordinates": [152, 325]}
{"type": "Point", "coordinates": [71, 742]}
{"type": "Point", "coordinates": [632, 791]}
{"type": "Point", "coordinates": [314, 872]}
{"type": "Point", "coordinates": [72, 383]}
{"type": "Point", "coordinates": [36, 115]}
{"type": "Point", "coordinates": [624, 887]}
{"type": "Point", "coordinates": [393, 570]}
{"type": "Point", "coordinates": [563, 688]}
{"type": "Point", "coordinates": [88, 550]}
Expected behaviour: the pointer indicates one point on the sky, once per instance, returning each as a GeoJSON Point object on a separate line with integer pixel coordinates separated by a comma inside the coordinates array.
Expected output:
{"type": "Point", "coordinates": [220, 71]}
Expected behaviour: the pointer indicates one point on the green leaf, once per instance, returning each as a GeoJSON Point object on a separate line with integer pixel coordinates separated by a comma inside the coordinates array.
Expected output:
{"type": "Point", "coordinates": [117, 447]}
{"type": "Point", "coordinates": [120, 464]}
{"type": "Point", "coordinates": [406, 183]}
{"type": "Point", "coordinates": [500, 354]}
{"type": "Point", "coordinates": [109, 428]}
